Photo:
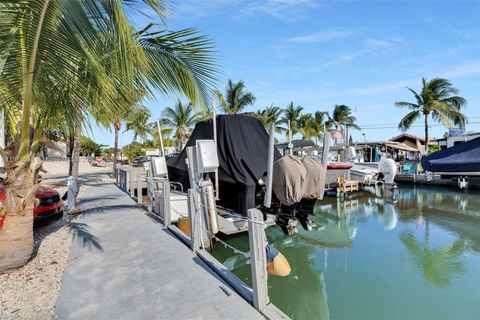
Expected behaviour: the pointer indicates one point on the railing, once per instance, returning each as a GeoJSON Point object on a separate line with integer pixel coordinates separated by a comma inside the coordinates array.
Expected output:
{"type": "Point", "coordinates": [129, 181]}
{"type": "Point", "coordinates": [159, 205]}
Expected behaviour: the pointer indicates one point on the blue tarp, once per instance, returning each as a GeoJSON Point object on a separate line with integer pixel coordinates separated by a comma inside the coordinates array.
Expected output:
{"type": "Point", "coordinates": [464, 157]}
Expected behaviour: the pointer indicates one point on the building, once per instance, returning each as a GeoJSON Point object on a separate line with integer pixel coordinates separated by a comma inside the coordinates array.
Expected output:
{"type": "Point", "coordinates": [456, 137]}
{"type": "Point", "coordinates": [410, 140]}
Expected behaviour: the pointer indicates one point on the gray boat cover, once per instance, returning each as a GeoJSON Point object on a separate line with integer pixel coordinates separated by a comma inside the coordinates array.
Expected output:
{"type": "Point", "coordinates": [289, 176]}
{"type": "Point", "coordinates": [315, 183]}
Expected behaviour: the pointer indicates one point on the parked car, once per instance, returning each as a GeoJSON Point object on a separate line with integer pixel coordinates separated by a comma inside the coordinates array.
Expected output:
{"type": "Point", "coordinates": [138, 162]}
{"type": "Point", "coordinates": [96, 161]}
{"type": "Point", "coordinates": [49, 204]}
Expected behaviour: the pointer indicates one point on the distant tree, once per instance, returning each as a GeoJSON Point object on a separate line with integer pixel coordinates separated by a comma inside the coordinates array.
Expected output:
{"type": "Point", "coordinates": [437, 98]}
{"type": "Point", "coordinates": [137, 122]}
{"type": "Point", "coordinates": [108, 152]}
{"type": "Point", "coordinates": [133, 150]}
{"type": "Point", "coordinates": [181, 120]}
{"type": "Point", "coordinates": [292, 113]}
{"type": "Point", "coordinates": [342, 119]}
{"type": "Point", "coordinates": [305, 126]}
{"type": "Point", "coordinates": [268, 116]}
{"type": "Point", "coordinates": [236, 97]}
{"type": "Point", "coordinates": [89, 147]}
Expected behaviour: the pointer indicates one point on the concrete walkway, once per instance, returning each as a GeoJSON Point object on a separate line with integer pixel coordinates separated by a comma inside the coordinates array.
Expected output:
{"type": "Point", "coordinates": [124, 265]}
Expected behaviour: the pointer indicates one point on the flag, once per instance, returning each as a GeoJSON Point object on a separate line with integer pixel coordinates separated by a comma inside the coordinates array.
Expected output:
{"type": "Point", "coordinates": [337, 135]}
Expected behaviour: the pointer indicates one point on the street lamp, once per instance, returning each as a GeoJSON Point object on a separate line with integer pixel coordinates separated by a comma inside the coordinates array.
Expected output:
{"type": "Point", "coordinates": [364, 139]}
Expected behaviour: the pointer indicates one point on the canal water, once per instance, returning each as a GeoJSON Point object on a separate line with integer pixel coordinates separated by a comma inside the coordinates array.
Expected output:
{"type": "Point", "coordinates": [417, 257]}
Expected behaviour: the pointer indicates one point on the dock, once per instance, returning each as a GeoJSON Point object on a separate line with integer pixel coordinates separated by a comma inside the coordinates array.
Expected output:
{"type": "Point", "coordinates": [421, 179]}
{"type": "Point", "coordinates": [123, 264]}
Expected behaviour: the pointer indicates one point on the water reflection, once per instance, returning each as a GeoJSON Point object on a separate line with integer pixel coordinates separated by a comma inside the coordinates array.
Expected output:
{"type": "Point", "coordinates": [306, 297]}
{"type": "Point", "coordinates": [454, 211]}
{"type": "Point", "coordinates": [423, 235]}
{"type": "Point", "coordinates": [438, 265]}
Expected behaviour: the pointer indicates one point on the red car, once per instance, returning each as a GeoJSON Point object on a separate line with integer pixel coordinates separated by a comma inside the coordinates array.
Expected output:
{"type": "Point", "coordinates": [49, 204]}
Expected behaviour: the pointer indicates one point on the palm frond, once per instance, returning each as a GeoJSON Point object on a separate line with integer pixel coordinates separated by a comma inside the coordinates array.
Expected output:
{"type": "Point", "coordinates": [408, 120]}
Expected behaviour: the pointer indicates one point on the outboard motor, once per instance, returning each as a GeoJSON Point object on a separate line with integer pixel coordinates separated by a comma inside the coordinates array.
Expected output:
{"type": "Point", "coordinates": [388, 168]}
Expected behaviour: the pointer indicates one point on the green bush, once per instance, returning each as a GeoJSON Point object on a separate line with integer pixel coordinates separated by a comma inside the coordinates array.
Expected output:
{"type": "Point", "coordinates": [133, 150]}
{"type": "Point", "coordinates": [90, 147]}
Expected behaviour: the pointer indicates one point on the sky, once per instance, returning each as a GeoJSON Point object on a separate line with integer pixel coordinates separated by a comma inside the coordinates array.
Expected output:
{"type": "Point", "coordinates": [321, 53]}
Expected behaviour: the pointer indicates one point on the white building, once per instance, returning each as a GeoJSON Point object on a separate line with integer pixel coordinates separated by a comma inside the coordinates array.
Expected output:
{"type": "Point", "coordinates": [453, 140]}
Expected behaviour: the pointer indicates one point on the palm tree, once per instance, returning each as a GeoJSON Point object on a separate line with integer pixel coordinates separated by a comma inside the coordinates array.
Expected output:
{"type": "Point", "coordinates": [312, 126]}
{"type": "Point", "coordinates": [181, 119]}
{"type": "Point", "coordinates": [137, 122]}
{"type": "Point", "coordinates": [56, 60]}
{"type": "Point", "coordinates": [236, 97]}
{"type": "Point", "coordinates": [291, 114]}
{"type": "Point", "coordinates": [341, 118]}
{"type": "Point", "coordinates": [437, 98]}
{"type": "Point", "coordinates": [273, 116]}
{"type": "Point", "coordinates": [270, 116]}
{"type": "Point", "coordinates": [305, 126]}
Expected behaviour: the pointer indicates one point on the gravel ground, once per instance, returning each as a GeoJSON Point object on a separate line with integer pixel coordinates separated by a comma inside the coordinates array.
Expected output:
{"type": "Point", "coordinates": [30, 292]}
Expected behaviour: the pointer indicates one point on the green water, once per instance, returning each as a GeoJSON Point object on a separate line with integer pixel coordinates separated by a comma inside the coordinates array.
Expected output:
{"type": "Point", "coordinates": [368, 258]}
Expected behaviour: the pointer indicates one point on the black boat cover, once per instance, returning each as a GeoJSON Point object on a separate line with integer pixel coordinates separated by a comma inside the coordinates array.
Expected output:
{"type": "Point", "coordinates": [242, 145]}
{"type": "Point", "coordinates": [464, 157]}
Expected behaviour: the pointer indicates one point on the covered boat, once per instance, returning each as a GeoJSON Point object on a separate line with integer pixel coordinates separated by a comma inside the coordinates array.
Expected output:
{"type": "Point", "coordinates": [462, 158]}
{"type": "Point", "coordinates": [242, 146]}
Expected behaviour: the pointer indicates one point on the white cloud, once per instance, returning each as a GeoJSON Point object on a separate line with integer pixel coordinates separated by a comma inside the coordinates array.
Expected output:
{"type": "Point", "coordinates": [463, 69]}
{"type": "Point", "coordinates": [288, 10]}
{"type": "Point", "coordinates": [466, 68]}
{"type": "Point", "coordinates": [322, 36]}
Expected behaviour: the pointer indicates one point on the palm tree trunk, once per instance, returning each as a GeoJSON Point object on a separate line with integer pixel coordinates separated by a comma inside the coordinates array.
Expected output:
{"type": "Point", "coordinates": [116, 128]}
{"type": "Point", "coordinates": [16, 240]}
{"type": "Point", "coordinates": [16, 235]}
{"type": "Point", "coordinates": [77, 133]}
{"type": "Point", "coordinates": [426, 133]}
{"type": "Point", "coordinates": [70, 151]}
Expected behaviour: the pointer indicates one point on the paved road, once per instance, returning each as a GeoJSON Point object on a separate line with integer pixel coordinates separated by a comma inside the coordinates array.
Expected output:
{"type": "Point", "coordinates": [124, 265]}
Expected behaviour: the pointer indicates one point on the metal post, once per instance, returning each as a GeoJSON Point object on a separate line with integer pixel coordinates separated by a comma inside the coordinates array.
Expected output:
{"type": "Point", "coordinates": [217, 189]}
{"type": "Point", "coordinates": [72, 190]}
{"type": "Point", "coordinates": [195, 187]}
{"type": "Point", "coordinates": [139, 189]}
{"type": "Point", "coordinates": [127, 178]}
{"type": "Point", "coordinates": [195, 240]}
{"type": "Point", "coordinates": [325, 149]}
{"type": "Point", "coordinates": [166, 203]}
{"type": "Point", "coordinates": [290, 145]}
{"type": "Point", "coordinates": [257, 240]}
{"type": "Point", "coordinates": [119, 178]}
{"type": "Point", "coordinates": [132, 184]}
{"type": "Point", "coordinates": [150, 204]}
{"type": "Point", "coordinates": [161, 139]}
{"type": "Point", "coordinates": [271, 148]}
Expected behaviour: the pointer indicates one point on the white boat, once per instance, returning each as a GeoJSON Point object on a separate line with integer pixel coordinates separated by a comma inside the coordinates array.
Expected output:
{"type": "Point", "coordinates": [366, 175]}
{"type": "Point", "coordinates": [336, 170]}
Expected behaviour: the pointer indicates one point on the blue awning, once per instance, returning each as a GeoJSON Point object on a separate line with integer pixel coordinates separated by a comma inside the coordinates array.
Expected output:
{"type": "Point", "coordinates": [464, 157]}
